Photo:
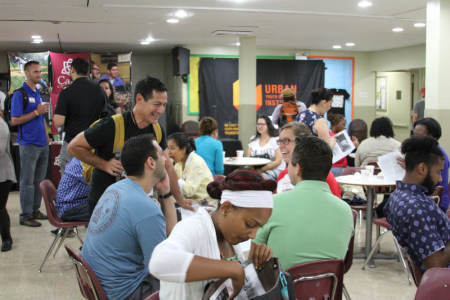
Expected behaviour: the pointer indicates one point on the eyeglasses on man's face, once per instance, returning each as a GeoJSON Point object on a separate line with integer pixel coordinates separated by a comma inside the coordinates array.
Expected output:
{"type": "Point", "coordinates": [285, 142]}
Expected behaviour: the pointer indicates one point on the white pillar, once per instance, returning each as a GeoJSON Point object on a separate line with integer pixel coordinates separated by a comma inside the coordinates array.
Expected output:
{"type": "Point", "coordinates": [247, 89]}
{"type": "Point", "coordinates": [437, 76]}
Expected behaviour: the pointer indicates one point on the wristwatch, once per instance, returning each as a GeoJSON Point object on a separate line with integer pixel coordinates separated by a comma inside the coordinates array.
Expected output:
{"type": "Point", "coordinates": [165, 196]}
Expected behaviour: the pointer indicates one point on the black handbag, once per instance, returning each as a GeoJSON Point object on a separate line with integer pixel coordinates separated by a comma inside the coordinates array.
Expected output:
{"type": "Point", "coordinates": [277, 284]}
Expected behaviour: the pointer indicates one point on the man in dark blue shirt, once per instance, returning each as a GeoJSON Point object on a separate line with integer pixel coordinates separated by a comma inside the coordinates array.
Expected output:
{"type": "Point", "coordinates": [418, 224]}
{"type": "Point", "coordinates": [33, 144]}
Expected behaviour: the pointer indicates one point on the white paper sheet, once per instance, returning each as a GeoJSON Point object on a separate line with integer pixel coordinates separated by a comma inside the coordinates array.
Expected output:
{"type": "Point", "coordinates": [390, 167]}
{"type": "Point", "coordinates": [344, 146]}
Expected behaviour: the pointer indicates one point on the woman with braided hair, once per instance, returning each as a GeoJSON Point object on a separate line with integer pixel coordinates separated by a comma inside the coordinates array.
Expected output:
{"type": "Point", "coordinates": [204, 247]}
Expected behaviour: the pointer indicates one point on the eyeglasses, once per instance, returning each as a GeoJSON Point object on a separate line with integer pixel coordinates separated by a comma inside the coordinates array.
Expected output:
{"type": "Point", "coordinates": [261, 124]}
{"type": "Point", "coordinates": [285, 142]}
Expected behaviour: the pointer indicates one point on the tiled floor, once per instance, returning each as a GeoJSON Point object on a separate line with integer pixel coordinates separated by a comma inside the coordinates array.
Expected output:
{"type": "Point", "coordinates": [20, 279]}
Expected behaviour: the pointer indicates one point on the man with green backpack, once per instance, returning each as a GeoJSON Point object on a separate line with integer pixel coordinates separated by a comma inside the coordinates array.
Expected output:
{"type": "Point", "coordinates": [101, 144]}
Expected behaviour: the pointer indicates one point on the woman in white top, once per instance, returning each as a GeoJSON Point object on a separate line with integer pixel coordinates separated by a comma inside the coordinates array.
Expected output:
{"type": "Point", "coordinates": [381, 141]}
{"type": "Point", "coordinates": [264, 144]}
{"type": "Point", "coordinates": [204, 247]}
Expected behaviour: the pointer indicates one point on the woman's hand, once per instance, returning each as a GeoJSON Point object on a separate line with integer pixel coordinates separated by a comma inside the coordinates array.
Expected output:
{"type": "Point", "coordinates": [238, 279]}
{"type": "Point", "coordinates": [259, 254]}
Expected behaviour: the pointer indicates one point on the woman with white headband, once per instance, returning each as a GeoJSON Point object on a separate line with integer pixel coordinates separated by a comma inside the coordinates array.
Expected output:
{"type": "Point", "coordinates": [204, 247]}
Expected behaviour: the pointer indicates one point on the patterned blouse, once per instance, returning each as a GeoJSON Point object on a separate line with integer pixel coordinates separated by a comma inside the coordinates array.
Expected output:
{"type": "Point", "coordinates": [309, 117]}
{"type": "Point", "coordinates": [418, 224]}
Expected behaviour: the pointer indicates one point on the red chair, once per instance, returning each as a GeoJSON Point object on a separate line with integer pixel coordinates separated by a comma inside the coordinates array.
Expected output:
{"type": "Point", "coordinates": [48, 192]}
{"type": "Point", "coordinates": [348, 260]}
{"type": "Point", "coordinates": [435, 284]}
{"type": "Point", "coordinates": [321, 279]}
{"type": "Point", "coordinates": [88, 282]}
{"type": "Point", "coordinates": [154, 296]}
{"type": "Point", "coordinates": [382, 222]}
{"type": "Point", "coordinates": [413, 268]}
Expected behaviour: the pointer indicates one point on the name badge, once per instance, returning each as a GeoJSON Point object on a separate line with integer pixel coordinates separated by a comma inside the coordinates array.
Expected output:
{"type": "Point", "coordinates": [32, 100]}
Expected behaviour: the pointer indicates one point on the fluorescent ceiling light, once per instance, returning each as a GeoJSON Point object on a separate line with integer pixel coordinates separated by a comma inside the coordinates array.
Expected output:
{"type": "Point", "coordinates": [397, 29]}
{"type": "Point", "coordinates": [364, 4]}
{"type": "Point", "coordinates": [145, 42]}
{"type": "Point", "coordinates": [337, 46]}
{"type": "Point", "coordinates": [36, 37]}
{"type": "Point", "coordinates": [181, 14]}
{"type": "Point", "coordinates": [237, 44]}
{"type": "Point", "coordinates": [419, 25]}
{"type": "Point", "coordinates": [350, 44]}
{"type": "Point", "coordinates": [37, 41]}
{"type": "Point", "coordinates": [172, 21]}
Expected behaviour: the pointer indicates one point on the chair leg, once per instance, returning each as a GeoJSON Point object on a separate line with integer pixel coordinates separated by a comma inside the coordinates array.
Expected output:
{"type": "Point", "coordinates": [402, 259]}
{"type": "Point", "coordinates": [65, 233]}
{"type": "Point", "coordinates": [372, 252]}
{"type": "Point", "coordinates": [58, 236]}
{"type": "Point", "coordinates": [75, 229]}
{"type": "Point", "coordinates": [378, 233]}
{"type": "Point", "coordinates": [346, 294]}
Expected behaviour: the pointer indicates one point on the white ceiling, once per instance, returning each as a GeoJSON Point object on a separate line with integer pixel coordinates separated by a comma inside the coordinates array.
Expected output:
{"type": "Point", "coordinates": [116, 25]}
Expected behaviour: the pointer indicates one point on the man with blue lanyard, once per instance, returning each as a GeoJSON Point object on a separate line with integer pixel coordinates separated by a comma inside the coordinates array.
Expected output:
{"type": "Point", "coordinates": [27, 111]}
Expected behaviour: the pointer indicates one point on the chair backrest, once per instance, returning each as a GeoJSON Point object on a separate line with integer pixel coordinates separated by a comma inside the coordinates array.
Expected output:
{"type": "Point", "coordinates": [348, 260]}
{"type": "Point", "coordinates": [230, 146]}
{"type": "Point", "coordinates": [435, 284]}
{"type": "Point", "coordinates": [437, 194]}
{"type": "Point", "coordinates": [350, 170]}
{"type": "Point", "coordinates": [48, 192]}
{"type": "Point", "coordinates": [88, 282]}
{"type": "Point", "coordinates": [154, 296]}
{"type": "Point", "coordinates": [321, 279]}
{"type": "Point", "coordinates": [413, 269]}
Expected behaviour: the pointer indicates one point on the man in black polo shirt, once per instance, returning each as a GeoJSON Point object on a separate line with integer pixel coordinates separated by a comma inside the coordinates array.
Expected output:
{"type": "Point", "coordinates": [78, 106]}
{"type": "Point", "coordinates": [150, 99]}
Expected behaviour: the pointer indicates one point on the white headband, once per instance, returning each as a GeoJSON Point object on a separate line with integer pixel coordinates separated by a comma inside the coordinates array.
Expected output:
{"type": "Point", "coordinates": [249, 198]}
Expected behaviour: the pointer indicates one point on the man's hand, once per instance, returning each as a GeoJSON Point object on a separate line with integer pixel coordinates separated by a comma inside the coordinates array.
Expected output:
{"type": "Point", "coordinates": [42, 108]}
{"type": "Point", "coordinates": [237, 279]}
{"type": "Point", "coordinates": [113, 167]}
{"type": "Point", "coordinates": [163, 186]}
{"type": "Point", "coordinates": [259, 254]}
{"type": "Point", "coordinates": [187, 204]}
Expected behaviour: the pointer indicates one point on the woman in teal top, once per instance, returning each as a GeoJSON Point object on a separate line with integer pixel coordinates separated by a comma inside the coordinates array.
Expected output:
{"type": "Point", "coordinates": [208, 147]}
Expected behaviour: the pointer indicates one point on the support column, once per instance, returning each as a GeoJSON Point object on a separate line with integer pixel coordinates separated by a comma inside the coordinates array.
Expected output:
{"type": "Point", "coordinates": [437, 76]}
{"type": "Point", "coordinates": [247, 89]}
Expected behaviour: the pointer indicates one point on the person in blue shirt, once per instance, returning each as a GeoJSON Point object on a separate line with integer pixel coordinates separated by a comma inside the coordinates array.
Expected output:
{"type": "Point", "coordinates": [431, 127]}
{"type": "Point", "coordinates": [33, 144]}
{"type": "Point", "coordinates": [127, 224]}
{"type": "Point", "coordinates": [113, 75]}
{"type": "Point", "coordinates": [208, 147]}
{"type": "Point", "coordinates": [417, 223]}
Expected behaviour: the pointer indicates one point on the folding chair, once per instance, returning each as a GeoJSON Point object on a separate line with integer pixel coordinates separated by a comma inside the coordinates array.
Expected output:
{"type": "Point", "coordinates": [321, 279]}
{"type": "Point", "coordinates": [88, 282]}
{"type": "Point", "coordinates": [48, 192]}
{"type": "Point", "coordinates": [348, 260]}
{"type": "Point", "coordinates": [435, 284]}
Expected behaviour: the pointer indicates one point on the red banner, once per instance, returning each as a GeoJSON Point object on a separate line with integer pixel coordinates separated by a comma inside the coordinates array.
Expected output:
{"type": "Point", "coordinates": [61, 63]}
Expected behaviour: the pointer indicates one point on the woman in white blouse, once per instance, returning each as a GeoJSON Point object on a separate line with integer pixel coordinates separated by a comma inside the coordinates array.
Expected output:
{"type": "Point", "coordinates": [204, 247]}
{"type": "Point", "coordinates": [264, 144]}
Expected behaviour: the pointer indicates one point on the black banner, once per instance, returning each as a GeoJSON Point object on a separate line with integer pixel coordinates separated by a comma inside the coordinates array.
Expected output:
{"type": "Point", "coordinates": [219, 87]}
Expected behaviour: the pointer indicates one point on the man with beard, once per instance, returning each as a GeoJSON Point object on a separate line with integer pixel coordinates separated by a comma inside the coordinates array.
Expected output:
{"type": "Point", "coordinates": [126, 224]}
{"type": "Point", "coordinates": [418, 224]}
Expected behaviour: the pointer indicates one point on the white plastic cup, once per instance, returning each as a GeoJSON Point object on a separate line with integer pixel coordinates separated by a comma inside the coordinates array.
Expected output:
{"type": "Point", "coordinates": [239, 153]}
{"type": "Point", "coordinates": [370, 169]}
{"type": "Point", "coordinates": [365, 172]}
{"type": "Point", "coordinates": [224, 154]}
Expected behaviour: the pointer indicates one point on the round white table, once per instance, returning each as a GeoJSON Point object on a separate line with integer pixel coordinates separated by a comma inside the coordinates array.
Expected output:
{"type": "Point", "coordinates": [245, 161]}
{"type": "Point", "coordinates": [370, 182]}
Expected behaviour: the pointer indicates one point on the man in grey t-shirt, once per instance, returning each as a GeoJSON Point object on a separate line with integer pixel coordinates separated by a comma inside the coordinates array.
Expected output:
{"type": "Point", "coordinates": [419, 108]}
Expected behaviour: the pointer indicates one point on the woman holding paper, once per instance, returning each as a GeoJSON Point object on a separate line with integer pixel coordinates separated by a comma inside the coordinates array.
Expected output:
{"type": "Point", "coordinates": [204, 247]}
{"type": "Point", "coordinates": [321, 100]}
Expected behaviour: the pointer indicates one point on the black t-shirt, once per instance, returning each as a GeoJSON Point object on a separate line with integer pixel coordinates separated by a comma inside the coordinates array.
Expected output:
{"type": "Point", "coordinates": [101, 138]}
{"type": "Point", "coordinates": [82, 104]}
{"type": "Point", "coordinates": [341, 109]}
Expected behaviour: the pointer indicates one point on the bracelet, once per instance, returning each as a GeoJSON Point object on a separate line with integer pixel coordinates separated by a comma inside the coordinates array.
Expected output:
{"type": "Point", "coordinates": [36, 112]}
{"type": "Point", "coordinates": [165, 196]}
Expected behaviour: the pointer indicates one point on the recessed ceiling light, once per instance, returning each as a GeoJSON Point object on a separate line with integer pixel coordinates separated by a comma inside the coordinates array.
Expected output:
{"type": "Point", "coordinates": [350, 44]}
{"type": "Point", "coordinates": [419, 25]}
{"type": "Point", "coordinates": [37, 41]}
{"type": "Point", "coordinates": [36, 37]}
{"type": "Point", "coordinates": [181, 14]}
{"type": "Point", "coordinates": [364, 4]}
{"type": "Point", "coordinates": [337, 46]}
{"type": "Point", "coordinates": [397, 29]}
{"type": "Point", "coordinates": [237, 44]}
{"type": "Point", "coordinates": [172, 21]}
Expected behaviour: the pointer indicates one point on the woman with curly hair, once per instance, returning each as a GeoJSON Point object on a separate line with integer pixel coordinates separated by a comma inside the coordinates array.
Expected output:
{"type": "Point", "coordinates": [204, 247]}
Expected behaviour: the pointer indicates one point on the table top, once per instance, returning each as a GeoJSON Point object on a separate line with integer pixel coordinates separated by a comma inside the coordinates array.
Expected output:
{"type": "Point", "coordinates": [245, 161]}
{"type": "Point", "coordinates": [364, 180]}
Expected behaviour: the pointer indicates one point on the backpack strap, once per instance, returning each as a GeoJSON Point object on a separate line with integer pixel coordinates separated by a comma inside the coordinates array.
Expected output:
{"type": "Point", "coordinates": [158, 132]}
{"type": "Point", "coordinates": [119, 133]}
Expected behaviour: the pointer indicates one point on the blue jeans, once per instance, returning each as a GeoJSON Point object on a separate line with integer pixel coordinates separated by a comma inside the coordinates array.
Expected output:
{"type": "Point", "coordinates": [33, 168]}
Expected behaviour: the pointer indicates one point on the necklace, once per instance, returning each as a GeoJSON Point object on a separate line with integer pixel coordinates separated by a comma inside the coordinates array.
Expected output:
{"type": "Point", "coordinates": [234, 257]}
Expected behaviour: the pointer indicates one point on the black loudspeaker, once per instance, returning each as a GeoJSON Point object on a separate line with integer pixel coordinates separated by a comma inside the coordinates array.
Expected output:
{"type": "Point", "coordinates": [180, 61]}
